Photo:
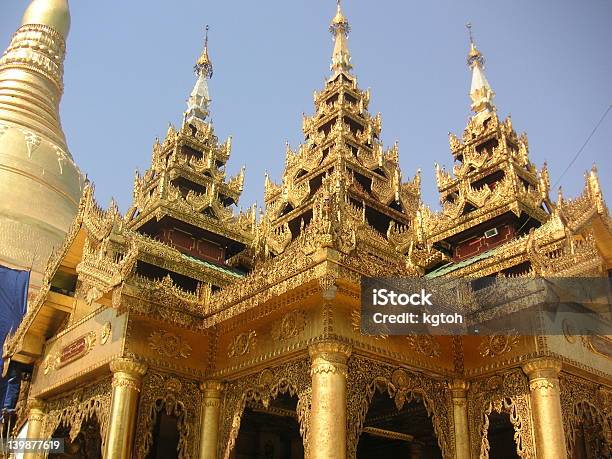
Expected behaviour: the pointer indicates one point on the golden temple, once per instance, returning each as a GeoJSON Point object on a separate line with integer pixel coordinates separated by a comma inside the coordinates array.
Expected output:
{"type": "Point", "coordinates": [184, 330]}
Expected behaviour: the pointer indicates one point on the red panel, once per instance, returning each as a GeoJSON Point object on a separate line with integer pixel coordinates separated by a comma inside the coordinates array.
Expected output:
{"type": "Point", "coordinates": [479, 244]}
{"type": "Point", "coordinates": [188, 244]}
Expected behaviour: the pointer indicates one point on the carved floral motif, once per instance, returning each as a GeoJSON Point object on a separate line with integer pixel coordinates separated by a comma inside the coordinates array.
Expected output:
{"type": "Point", "coordinates": [168, 344]}
{"type": "Point", "coordinates": [242, 344]}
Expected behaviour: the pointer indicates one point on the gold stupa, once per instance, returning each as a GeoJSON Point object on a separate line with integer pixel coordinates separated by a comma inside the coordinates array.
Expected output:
{"type": "Point", "coordinates": [39, 182]}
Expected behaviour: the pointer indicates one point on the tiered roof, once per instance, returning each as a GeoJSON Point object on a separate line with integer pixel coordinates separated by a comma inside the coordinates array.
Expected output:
{"type": "Point", "coordinates": [341, 145]}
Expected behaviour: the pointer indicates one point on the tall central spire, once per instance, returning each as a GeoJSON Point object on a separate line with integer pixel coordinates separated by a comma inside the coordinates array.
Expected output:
{"type": "Point", "coordinates": [341, 57]}
{"type": "Point", "coordinates": [481, 92]}
{"type": "Point", "coordinates": [199, 99]}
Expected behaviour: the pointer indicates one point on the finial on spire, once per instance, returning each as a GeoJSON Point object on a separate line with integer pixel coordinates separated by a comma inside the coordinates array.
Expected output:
{"type": "Point", "coordinates": [204, 64]}
{"type": "Point", "coordinates": [474, 55]}
{"type": "Point", "coordinates": [340, 28]}
{"type": "Point", "coordinates": [199, 99]}
{"type": "Point", "coordinates": [481, 92]}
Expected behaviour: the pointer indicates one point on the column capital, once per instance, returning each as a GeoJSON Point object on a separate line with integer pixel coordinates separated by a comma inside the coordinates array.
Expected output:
{"type": "Point", "coordinates": [212, 388]}
{"type": "Point", "coordinates": [329, 357]}
{"type": "Point", "coordinates": [542, 368]}
{"type": "Point", "coordinates": [458, 387]}
{"type": "Point", "coordinates": [333, 351]}
{"type": "Point", "coordinates": [128, 366]}
{"type": "Point", "coordinates": [37, 404]}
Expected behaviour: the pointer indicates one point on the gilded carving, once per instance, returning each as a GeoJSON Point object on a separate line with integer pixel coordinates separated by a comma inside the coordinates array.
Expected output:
{"type": "Point", "coordinates": [424, 344]}
{"type": "Point", "coordinates": [175, 396]}
{"type": "Point", "coordinates": [105, 333]}
{"type": "Point", "coordinates": [168, 344]}
{"type": "Point", "coordinates": [586, 409]}
{"type": "Point", "coordinates": [496, 345]}
{"type": "Point", "coordinates": [289, 326]}
{"type": "Point", "coordinates": [242, 344]}
{"type": "Point", "coordinates": [290, 378]}
{"type": "Point", "coordinates": [366, 377]}
{"type": "Point", "coordinates": [506, 392]}
{"type": "Point", "coordinates": [77, 407]}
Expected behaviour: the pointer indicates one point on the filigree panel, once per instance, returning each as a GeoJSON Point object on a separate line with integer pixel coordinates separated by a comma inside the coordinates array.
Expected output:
{"type": "Point", "coordinates": [586, 404]}
{"type": "Point", "coordinates": [366, 377]}
{"type": "Point", "coordinates": [508, 393]}
{"type": "Point", "coordinates": [291, 378]}
{"type": "Point", "coordinates": [178, 397]}
{"type": "Point", "coordinates": [78, 407]}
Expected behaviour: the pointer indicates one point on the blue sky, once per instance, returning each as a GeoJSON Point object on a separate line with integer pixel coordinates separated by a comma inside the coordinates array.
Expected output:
{"type": "Point", "coordinates": [129, 72]}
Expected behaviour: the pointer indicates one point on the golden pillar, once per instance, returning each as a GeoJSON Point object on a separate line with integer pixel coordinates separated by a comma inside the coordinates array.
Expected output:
{"type": "Point", "coordinates": [459, 389]}
{"type": "Point", "coordinates": [36, 417]}
{"type": "Point", "coordinates": [546, 407]}
{"type": "Point", "coordinates": [127, 377]}
{"type": "Point", "coordinates": [209, 429]}
{"type": "Point", "coordinates": [328, 372]}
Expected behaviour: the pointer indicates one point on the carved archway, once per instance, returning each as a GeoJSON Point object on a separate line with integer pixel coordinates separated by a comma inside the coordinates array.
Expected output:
{"type": "Point", "coordinates": [588, 419]}
{"type": "Point", "coordinates": [292, 379]}
{"type": "Point", "coordinates": [585, 402]}
{"type": "Point", "coordinates": [172, 396]}
{"type": "Point", "coordinates": [78, 408]}
{"type": "Point", "coordinates": [87, 444]}
{"type": "Point", "coordinates": [366, 377]}
{"type": "Point", "coordinates": [504, 393]}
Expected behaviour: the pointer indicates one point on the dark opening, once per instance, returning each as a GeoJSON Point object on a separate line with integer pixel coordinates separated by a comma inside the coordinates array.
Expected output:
{"type": "Point", "coordinates": [64, 283]}
{"type": "Point", "coordinates": [272, 433]}
{"type": "Point", "coordinates": [86, 445]}
{"type": "Point", "coordinates": [483, 282]}
{"type": "Point", "coordinates": [349, 98]}
{"type": "Point", "coordinates": [501, 437]}
{"type": "Point", "coordinates": [365, 182]}
{"type": "Point", "coordinates": [288, 208]}
{"type": "Point", "coordinates": [487, 146]}
{"type": "Point", "coordinates": [156, 273]}
{"type": "Point", "coordinates": [491, 180]}
{"type": "Point", "coordinates": [518, 270]}
{"type": "Point", "coordinates": [191, 152]}
{"type": "Point", "coordinates": [165, 436]}
{"type": "Point", "coordinates": [410, 427]}
{"type": "Point", "coordinates": [185, 186]}
{"type": "Point", "coordinates": [315, 183]}
{"type": "Point", "coordinates": [354, 126]}
{"type": "Point", "coordinates": [377, 220]}
{"type": "Point", "coordinates": [226, 200]}
{"type": "Point", "coordinates": [296, 223]}
{"type": "Point", "coordinates": [396, 205]}
{"type": "Point", "coordinates": [468, 208]}
{"type": "Point", "coordinates": [300, 173]}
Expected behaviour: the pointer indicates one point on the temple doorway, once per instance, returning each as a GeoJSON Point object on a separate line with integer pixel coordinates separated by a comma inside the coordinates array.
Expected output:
{"type": "Point", "coordinates": [500, 435]}
{"type": "Point", "coordinates": [270, 433]}
{"type": "Point", "coordinates": [389, 432]}
{"type": "Point", "coordinates": [168, 424]}
{"type": "Point", "coordinates": [589, 436]}
{"type": "Point", "coordinates": [86, 445]}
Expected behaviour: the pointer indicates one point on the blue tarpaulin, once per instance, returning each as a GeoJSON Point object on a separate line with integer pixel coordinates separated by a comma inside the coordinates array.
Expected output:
{"type": "Point", "coordinates": [13, 297]}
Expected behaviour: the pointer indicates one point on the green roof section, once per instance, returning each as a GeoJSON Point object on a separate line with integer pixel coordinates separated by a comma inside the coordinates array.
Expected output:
{"type": "Point", "coordinates": [219, 268]}
{"type": "Point", "coordinates": [450, 267]}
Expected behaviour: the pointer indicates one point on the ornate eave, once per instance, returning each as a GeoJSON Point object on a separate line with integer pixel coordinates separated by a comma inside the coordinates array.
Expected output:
{"type": "Point", "coordinates": [235, 228]}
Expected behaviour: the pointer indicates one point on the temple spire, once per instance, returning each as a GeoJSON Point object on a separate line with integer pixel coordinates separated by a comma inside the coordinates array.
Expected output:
{"type": "Point", "coordinates": [199, 99]}
{"type": "Point", "coordinates": [341, 57]}
{"type": "Point", "coordinates": [481, 92]}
